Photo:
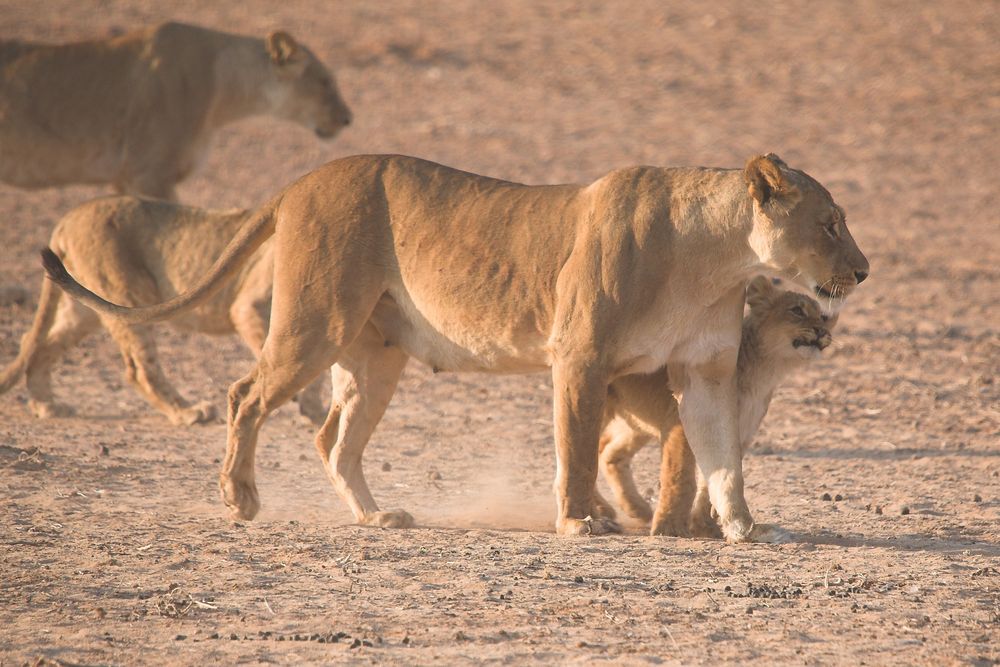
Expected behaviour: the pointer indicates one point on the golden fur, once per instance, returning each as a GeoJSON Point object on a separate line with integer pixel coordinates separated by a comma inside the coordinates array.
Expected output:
{"type": "Point", "coordinates": [379, 258]}
{"type": "Point", "coordinates": [782, 332]}
{"type": "Point", "coordinates": [141, 251]}
{"type": "Point", "coordinates": [138, 110]}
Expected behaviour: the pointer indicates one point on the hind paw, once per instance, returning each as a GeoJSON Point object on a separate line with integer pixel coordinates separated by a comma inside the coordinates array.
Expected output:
{"type": "Point", "coordinates": [240, 497]}
{"type": "Point", "coordinates": [201, 413]}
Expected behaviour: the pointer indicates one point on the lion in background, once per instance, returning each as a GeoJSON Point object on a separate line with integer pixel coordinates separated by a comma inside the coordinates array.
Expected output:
{"type": "Point", "coordinates": [141, 251]}
{"type": "Point", "coordinates": [783, 331]}
{"type": "Point", "coordinates": [138, 110]}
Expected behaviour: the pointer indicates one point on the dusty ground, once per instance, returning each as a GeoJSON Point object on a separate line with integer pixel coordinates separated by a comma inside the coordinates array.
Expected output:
{"type": "Point", "coordinates": [114, 547]}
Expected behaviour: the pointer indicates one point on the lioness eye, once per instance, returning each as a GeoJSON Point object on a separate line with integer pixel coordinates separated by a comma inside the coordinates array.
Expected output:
{"type": "Point", "coordinates": [831, 229]}
{"type": "Point", "coordinates": [798, 312]}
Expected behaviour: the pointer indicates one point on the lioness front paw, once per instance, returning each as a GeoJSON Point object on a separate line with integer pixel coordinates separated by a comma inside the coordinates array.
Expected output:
{"type": "Point", "coordinates": [388, 519]}
{"type": "Point", "coordinates": [202, 413]}
{"type": "Point", "coordinates": [240, 497]}
{"type": "Point", "coordinates": [48, 410]}
{"type": "Point", "coordinates": [587, 526]}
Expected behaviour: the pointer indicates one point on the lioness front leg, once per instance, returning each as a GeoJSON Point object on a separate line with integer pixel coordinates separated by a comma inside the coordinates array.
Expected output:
{"type": "Point", "coordinates": [708, 412]}
{"type": "Point", "coordinates": [364, 380]}
{"type": "Point", "coordinates": [579, 392]}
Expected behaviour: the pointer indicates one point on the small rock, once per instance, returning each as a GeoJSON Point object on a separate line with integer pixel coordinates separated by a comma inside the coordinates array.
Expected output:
{"type": "Point", "coordinates": [180, 638]}
{"type": "Point", "coordinates": [461, 636]}
{"type": "Point", "coordinates": [233, 636]}
{"type": "Point", "coordinates": [838, 497]}
{"type": "Point", "coordinates": [977, 498]}
{"type": "Point", "coordinates": [578, 579]}
{"type": "Point", "coordinates": [386, 467]}
{"type": "Point", "coordinates": [878, 509]}
{"type": "Point", "coordinates": [434, 476]}
{"type": "Point", "coordinates": [103, 449]}
{"type": "Point", "coordinates": [825, 496]}
{"type": "Point", "coordinates": [904, 510]}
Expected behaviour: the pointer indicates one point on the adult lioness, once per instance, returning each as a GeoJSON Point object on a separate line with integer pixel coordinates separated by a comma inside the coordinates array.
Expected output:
{"type": "Point", "coordinates": [138, 110]}
{"type": "Point", "coordinates": [143, 251]}
{"type": "Point", "coordinates": [783, 331]}
{"type": "Point", "coordinates": [378, 258]}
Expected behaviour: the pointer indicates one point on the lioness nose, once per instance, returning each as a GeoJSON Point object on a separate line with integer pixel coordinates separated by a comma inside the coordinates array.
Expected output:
{"type": "Point", "coordinates": [860, 276]}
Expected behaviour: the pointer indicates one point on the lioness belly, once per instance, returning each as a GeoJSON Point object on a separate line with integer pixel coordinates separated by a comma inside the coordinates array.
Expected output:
{"type": "Point", "coordinates": [456, 345]}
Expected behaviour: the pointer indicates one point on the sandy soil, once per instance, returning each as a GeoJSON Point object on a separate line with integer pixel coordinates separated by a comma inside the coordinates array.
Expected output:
{"type": "Point", "coordinates": [114, 546]}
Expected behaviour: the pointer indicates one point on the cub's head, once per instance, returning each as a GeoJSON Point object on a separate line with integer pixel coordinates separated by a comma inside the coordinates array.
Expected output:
{"type": "Point", "coordinates": [301, 89]}
{"type": "Point", "coordinates": [801, 233]}
{"type": "Point", "coordinates": [788, 325]}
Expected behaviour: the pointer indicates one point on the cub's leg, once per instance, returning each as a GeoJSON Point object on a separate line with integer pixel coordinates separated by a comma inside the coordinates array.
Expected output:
{"type": "Point", "coordinates": [618, 445]}
{"type": "Point", "coordinates": [703, 524]}
{"type": "Point", "coordinates": [677, 486]}
{"type": "Point", "coordinates": [579, 394]}
{"type": "Point", "coordinates": [364, 380]}
{"type": "Point", "coordinates": [142, 369]}
{"type": "Point", "coordinates": [73, 323]}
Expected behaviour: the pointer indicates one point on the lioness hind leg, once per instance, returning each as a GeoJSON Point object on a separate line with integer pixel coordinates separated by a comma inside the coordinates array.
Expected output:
{"type": "Point", "coordinates": [142, 369]}
{"type": "Point", "coordinates": [677, 486]}
{"type": "Point", "coordinates": [364, 380]}
{"type": "Point", "coordinates": [73, 323]}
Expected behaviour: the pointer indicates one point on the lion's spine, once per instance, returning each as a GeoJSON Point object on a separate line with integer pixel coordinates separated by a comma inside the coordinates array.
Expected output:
{"type": "Point", "coordinates": [48, 304]}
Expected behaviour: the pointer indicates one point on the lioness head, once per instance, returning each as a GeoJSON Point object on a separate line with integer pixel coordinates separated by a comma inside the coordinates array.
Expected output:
{"type": "Point", "coordinates": [800, 232]}
{"type": "Point", "coordinates": [302, 89]}
{"type": "Point", "coordinates": [790, 325]}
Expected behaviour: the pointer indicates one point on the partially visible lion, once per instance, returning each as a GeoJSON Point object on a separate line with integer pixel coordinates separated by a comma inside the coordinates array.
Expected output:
{"type": "Point", "coordinates": [378, 258]}
{"type": "Point", "coordinates": [141, 251]}
{"type": "Point", "coordinates": [138, 110]}
{"type": "Point", "coordinates": [783, 331]}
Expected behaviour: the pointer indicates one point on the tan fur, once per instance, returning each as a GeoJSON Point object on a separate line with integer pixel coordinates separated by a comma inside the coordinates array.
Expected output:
{"type": "Point", "coordinates": [140, 251]}
{"type": "Point", "coordinates": [138, 110]}
{"type": "Point", "coordinates": [782, 332]}
{"type": "Point", "coordinates": [378, 258]}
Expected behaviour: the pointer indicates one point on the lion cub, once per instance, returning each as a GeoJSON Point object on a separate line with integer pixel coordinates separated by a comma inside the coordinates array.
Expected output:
{"type": "Point", "coordinates": [141, 251]}
{"type": "Point", "coordinates": [783, 331]}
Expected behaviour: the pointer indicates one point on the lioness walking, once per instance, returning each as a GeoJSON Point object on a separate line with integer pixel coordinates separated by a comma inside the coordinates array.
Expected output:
{"type": "Point", "coordinates": [379, 258]}
{"type": "Point", "coordinates": [142, 251]}
{"type": "Point", "coordinates": [138, 110]}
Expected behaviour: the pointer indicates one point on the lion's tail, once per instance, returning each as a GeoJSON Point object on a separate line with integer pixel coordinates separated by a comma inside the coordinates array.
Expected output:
{"type": "Point", "coordinates": [250, 237]}
{"type": "Point", "coordinates": [48, 304]}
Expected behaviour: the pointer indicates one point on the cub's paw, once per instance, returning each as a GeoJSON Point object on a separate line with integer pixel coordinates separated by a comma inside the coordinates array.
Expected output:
{"type": "Point", "coordinates": [201, 413]}
{"type": "Point", "coordinates": [587, 526]}
{"type": "Point", "coordinates": [670, 526]}
{"type": "Point", "coordinates": [388, 519]}
{"type": "Point", "coordinates": [240, 497]}
{"type": "Point", "coordinates": [49, 410]}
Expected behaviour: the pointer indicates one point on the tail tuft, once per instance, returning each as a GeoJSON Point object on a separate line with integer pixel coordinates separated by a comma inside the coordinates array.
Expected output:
{"type": "Point", "coordinates": [55, 269]}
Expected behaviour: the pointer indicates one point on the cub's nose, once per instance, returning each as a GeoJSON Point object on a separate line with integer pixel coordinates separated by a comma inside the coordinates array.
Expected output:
{"type": "Point", "coordinates": [860, 276]}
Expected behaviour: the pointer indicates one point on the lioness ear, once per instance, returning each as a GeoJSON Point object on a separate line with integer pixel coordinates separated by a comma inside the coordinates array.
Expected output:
{"type": "Point", "coordinates": [282, 47]}
{"type": "Point", "coordinates": [765, 180]}
{"type": "Point", "coordinates": [759, 291]}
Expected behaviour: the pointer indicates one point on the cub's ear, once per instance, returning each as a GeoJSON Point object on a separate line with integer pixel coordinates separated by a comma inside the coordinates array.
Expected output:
{"type": "Point", "coordinates": [765, 179]}
{"type": "Point", "coordinates": [282, 47]}
{"type": "Point", "coordinates": [759, 291]}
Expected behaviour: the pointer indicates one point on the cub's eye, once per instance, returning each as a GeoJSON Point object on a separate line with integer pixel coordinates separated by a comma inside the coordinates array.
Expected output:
{"type": "Point", "coordinates": [825, 318]}
{"type": "Point", "coordinates": [797, 311]}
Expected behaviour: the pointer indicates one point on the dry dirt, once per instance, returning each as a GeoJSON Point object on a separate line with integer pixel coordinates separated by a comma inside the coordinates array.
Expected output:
{"type": "Point", "coordinates": [114, 546]}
